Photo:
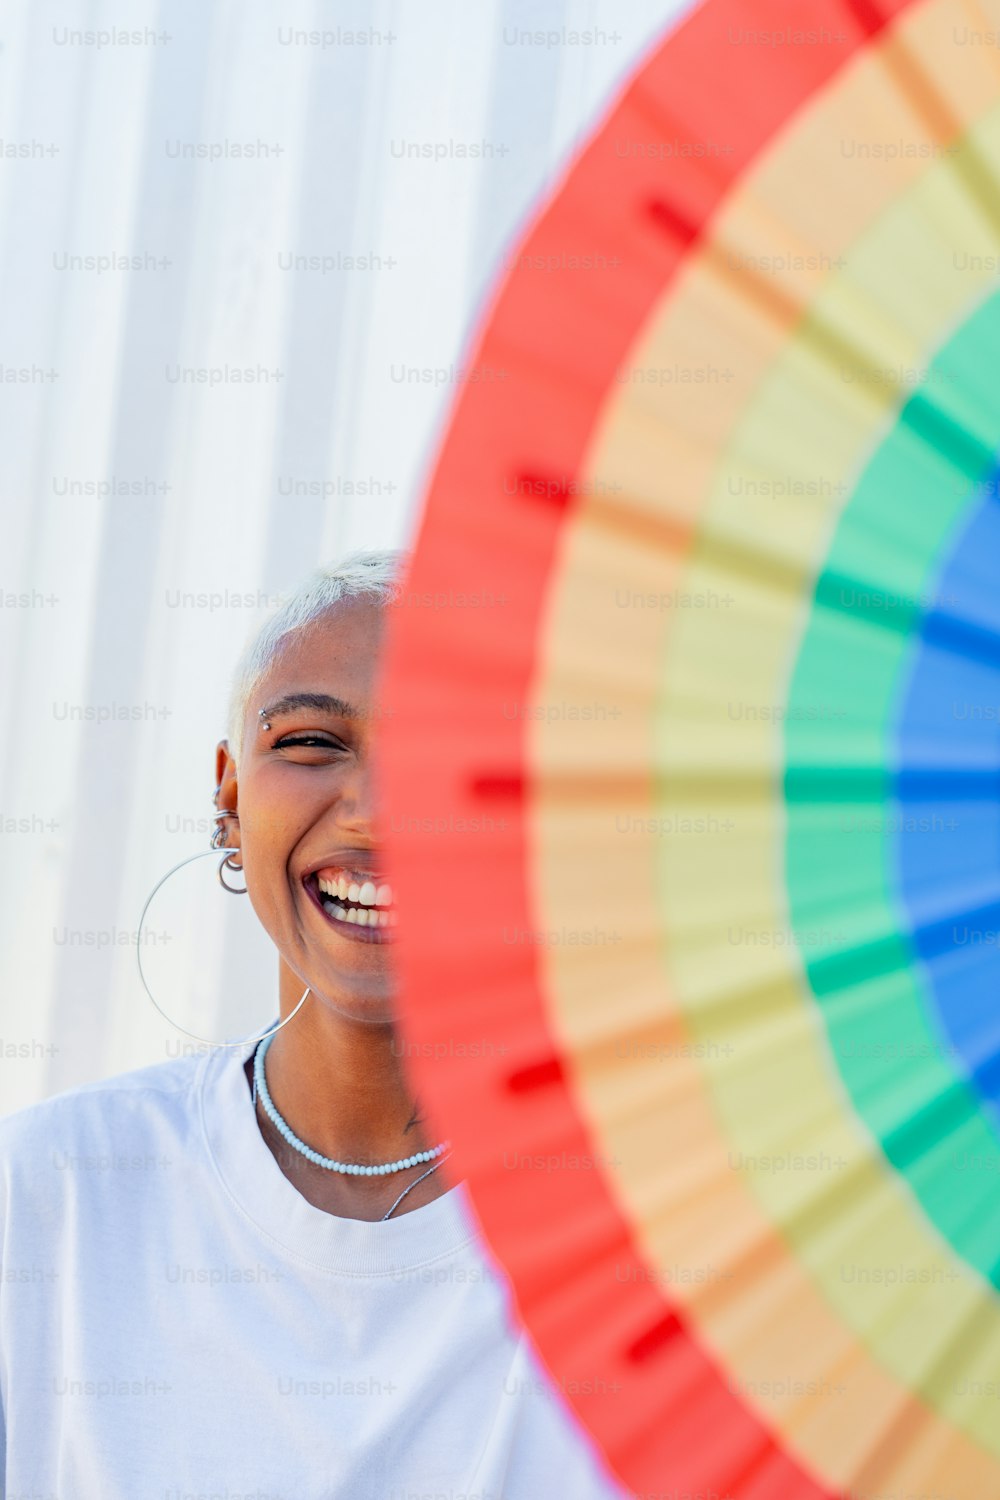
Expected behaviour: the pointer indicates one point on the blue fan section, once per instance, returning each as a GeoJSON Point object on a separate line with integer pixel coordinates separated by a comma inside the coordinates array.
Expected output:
{"type": "Point", "coordinates": [946, 818]}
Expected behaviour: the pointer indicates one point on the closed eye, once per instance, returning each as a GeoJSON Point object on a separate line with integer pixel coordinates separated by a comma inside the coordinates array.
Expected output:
{"type": "Point", "coordinates": [310, 741]}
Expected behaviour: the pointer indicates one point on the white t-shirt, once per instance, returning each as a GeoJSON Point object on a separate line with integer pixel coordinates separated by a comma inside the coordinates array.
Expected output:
{"type": "Point", "coordinates": [178, 1322]}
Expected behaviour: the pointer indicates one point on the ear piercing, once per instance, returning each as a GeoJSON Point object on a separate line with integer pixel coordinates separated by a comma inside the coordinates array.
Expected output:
{"type": "Point", "coordinates": [218, 838]}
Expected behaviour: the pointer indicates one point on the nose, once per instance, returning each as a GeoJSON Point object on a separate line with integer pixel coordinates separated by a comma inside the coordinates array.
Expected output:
{"type": "Point", "coordinates": [356, 805]}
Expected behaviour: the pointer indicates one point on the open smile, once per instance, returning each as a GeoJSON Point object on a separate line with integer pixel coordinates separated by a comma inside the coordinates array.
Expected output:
{"type": "Point", "coordinates": [354, 902]}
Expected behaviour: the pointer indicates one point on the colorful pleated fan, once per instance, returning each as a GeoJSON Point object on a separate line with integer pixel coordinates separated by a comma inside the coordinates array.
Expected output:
{"type": "Point", "coordinates": [695, 756]}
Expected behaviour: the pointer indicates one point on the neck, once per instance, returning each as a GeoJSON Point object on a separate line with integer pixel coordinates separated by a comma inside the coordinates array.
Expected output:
{"type": "Point", "coordinates": [339, 1083]}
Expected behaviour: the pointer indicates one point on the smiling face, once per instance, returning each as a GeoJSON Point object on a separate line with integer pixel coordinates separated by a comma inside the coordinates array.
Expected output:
{"type": "Point", "coordinates": [307, 815]}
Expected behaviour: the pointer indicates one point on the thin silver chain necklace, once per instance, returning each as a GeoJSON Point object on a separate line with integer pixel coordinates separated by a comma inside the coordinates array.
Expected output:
{"type": "Point", "coordinates": [412, 1185]}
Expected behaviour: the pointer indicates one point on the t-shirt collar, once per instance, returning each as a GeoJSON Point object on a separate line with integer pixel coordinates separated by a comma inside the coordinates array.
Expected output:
{"type": "Point", "coordinates": [259, 1189]}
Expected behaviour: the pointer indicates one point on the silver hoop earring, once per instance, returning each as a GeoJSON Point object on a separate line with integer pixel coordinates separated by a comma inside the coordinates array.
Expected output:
{"type": "Point", "coordinates": [208, 1041]}
{"type": "Point", "coordinates": [218, 837]}
{"type": "Point", "coordinates": [227, 864]}
{"type": "Point", "coordinates": [218, 842]}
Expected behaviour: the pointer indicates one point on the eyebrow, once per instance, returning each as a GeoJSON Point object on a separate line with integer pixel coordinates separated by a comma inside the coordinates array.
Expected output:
{"type": "Point", "coordinates": [321, 702]}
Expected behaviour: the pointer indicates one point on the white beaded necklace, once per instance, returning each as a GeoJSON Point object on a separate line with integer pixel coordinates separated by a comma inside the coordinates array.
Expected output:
{"type": "Point", "coordinates": [352, 1169]}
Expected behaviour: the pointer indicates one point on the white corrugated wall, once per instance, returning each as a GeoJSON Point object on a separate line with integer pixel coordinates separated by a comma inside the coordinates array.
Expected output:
{"type": "Point", "coordinates": [100, 613]}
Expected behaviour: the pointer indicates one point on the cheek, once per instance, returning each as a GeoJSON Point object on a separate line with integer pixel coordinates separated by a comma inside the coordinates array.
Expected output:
{"type": "Point", "coordinates": [277, 814]}
{"type": "Point", "coordinates": [267, 841]}
{"type": "Point", "coordinates": [274, 820]}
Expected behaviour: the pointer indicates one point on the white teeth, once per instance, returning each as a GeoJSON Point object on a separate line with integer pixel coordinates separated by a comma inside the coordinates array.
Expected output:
{"type": "Point", "coordinates": [365, 893]}
{"type": "Point", "coordinates": [371, 902]}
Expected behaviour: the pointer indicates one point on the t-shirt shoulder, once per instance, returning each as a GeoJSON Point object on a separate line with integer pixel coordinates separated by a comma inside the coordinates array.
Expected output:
{"type": "Point", "coordinates": [105, 1121]}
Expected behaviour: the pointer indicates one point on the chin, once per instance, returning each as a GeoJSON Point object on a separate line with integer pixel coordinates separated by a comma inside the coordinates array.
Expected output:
{"type": "Point", "coordinates": [353, 1002]}
{"type": "Point", "coordinates": [353, 979]}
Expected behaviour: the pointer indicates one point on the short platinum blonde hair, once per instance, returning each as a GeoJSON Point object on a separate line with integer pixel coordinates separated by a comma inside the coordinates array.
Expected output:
{"type": "Point", "coordinates": [360, 575]}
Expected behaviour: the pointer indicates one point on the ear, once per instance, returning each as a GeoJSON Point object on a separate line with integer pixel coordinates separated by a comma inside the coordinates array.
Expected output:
{"type": "Point", "coordinates": [226, 796]}
{"type": "Point", "coordinates": [225, 775]}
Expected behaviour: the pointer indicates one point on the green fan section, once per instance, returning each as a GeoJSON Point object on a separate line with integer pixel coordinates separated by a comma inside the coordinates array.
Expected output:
{"type": "Point", "coordinates": [863, 972]}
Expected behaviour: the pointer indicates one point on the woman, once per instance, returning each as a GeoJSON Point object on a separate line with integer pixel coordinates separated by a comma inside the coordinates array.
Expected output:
{"type": "Point", "coordinates": [190, 1304]}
